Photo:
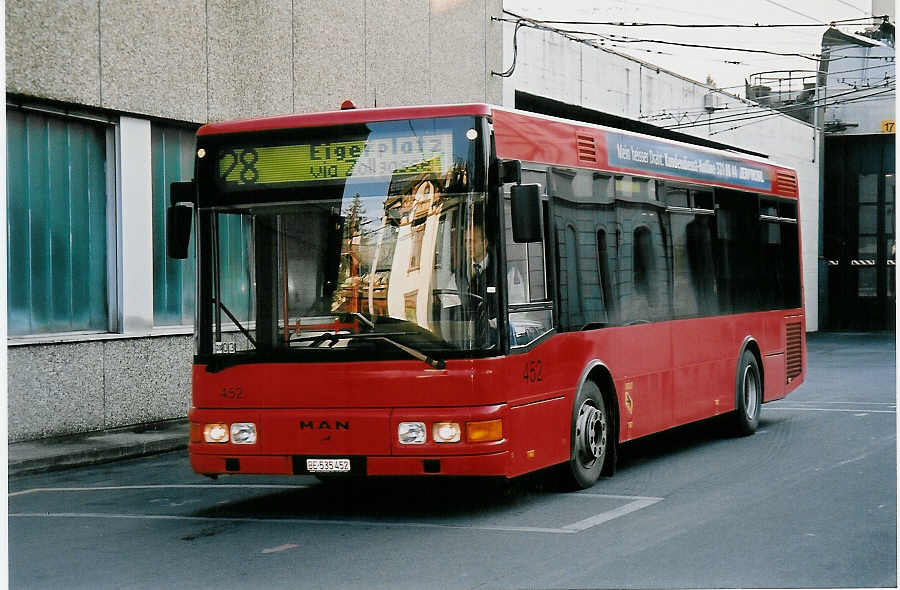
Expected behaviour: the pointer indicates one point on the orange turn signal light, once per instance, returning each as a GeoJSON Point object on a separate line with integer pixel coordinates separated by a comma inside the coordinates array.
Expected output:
{"type": "Point", "coordinates": [486, 431]}
{"type": "Point", "coordinates": [196, 432]}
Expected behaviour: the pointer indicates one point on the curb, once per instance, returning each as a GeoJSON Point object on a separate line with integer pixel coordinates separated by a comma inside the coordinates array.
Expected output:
{"type": "Point", "coordinates": [54, 454]}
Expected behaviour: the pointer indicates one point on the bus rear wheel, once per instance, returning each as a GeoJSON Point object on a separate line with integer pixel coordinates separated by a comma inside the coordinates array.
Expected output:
{"type": "Point", "coordinates": [749, 395]}
{"type": "Point", "coordinates": [590, 437]}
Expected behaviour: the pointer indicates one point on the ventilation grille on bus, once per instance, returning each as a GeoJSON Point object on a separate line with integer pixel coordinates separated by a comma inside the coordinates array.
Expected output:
{"type": "Point", "coordinates": [794, 350]}
{"type": "Point", "coordinates": [785, 184]}
{"type": "Point", "coordinates": [587, 149]}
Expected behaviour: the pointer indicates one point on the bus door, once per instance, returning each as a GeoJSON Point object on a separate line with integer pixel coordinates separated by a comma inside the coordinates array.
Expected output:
{"type": "Point", "coordinates": [644, 344]}
{"type": "Point", "coordinates": [698, 346]}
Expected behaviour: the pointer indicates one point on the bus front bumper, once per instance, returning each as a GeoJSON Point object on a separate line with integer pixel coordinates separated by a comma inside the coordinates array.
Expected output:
{"type": "Point", "coordinates": [493, 464]}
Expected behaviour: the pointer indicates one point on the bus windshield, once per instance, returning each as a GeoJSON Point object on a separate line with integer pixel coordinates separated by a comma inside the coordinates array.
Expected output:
{"type": "Point", "coordinates": [388, 249]}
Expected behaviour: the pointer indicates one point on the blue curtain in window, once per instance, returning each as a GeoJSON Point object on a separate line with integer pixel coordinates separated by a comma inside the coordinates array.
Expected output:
{"type": "Point", "coordinates": [172, 157]}
{"type": "Point", "coordinates": [56, 224]}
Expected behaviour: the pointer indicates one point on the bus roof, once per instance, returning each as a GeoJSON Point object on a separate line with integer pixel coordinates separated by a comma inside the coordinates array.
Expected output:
{"type": "Point", "coordinates": [550, 140]}
{"type": "Point", "coordinates": [344, 117]}
{"type": "Point", "coordinates": [533, 137]}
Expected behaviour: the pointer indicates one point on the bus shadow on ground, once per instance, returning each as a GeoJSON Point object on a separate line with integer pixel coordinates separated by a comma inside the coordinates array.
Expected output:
{"type": "Point", "coordinates": [389, 499]}
{"type": "Point", "coordinates": [689, 438]}
{"type": "Point", "coordinates": [443, 499]}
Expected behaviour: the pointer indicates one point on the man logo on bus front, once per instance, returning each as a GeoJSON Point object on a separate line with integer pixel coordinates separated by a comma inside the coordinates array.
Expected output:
{"type": "Point", "coordinates": [325, 425]}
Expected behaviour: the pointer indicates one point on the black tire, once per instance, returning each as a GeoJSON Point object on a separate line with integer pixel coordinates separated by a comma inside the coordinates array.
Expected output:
{"type": "Point", "coordinates": [749, 395]}
{"type": "Point", "coordinates": [591, 437]}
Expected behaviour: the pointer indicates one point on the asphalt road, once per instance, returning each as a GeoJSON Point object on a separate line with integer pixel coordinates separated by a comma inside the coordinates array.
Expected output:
{"type": "Point", "coordinates": [808, 501]}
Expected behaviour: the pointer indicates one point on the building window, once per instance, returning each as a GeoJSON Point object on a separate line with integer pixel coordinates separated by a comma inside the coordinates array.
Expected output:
{"type": "Point", "coordinates": [172, 155]}
{"type": "Point", "coordinates": [418, 237]}
{"type": "Point", "coordinates": [58, 232]}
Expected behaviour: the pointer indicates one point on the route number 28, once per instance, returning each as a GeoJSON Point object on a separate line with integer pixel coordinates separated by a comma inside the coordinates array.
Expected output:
{"type": "Point", "coordinates": [533, 371]}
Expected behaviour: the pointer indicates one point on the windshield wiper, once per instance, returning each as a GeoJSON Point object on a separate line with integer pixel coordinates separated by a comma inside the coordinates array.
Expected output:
{"type": "Point", "coordinates": [333, 338]}
{"type": "Point", "coordinates": [236, 322]}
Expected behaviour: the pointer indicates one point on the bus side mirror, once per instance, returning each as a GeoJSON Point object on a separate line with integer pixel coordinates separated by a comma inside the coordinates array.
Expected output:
{"type": "Point", "coordinates": [526, 212]}
{"type": "Point", "coordinates": [178, 219]}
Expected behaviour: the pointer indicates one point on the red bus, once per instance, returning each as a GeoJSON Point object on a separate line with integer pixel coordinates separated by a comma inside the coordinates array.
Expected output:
{"type": "Point", "coordinates": [471, 290]}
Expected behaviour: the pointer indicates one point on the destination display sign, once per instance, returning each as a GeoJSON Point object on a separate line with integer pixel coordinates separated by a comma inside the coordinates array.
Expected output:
{"type": "Point", "coordinates": [249, 167]}
{"type": "Point", "coordinates": [637, 153]}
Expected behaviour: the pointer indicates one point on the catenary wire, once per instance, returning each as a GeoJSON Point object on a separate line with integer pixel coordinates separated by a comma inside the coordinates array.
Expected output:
{"type": "Point", "coordinates": [745, 117]}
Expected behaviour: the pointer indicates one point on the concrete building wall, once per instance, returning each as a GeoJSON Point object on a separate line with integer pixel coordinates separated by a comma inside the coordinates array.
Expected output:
{"type": "Point", "coordinates": [99, 384]}
{"type": "Point", "coordinates": [552, 66]}
{"type": "Point", "coordinates": [213, 60]}
{"type": "Point", "coordinates": [191, 62]}
{"type": "Point", "coordinates": [866, 75]}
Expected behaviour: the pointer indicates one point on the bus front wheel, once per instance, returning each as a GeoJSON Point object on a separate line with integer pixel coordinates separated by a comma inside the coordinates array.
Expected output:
{"type": "Point", "coordinates": [591, 434]}
{"type": "Point", "coordinates": [749, 394]}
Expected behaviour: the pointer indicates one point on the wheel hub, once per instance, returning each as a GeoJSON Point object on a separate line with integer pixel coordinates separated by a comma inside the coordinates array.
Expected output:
{"type": "Point", "coordinates": [590, 434]}
{"type": "Point", "coordinates": [751, 392]}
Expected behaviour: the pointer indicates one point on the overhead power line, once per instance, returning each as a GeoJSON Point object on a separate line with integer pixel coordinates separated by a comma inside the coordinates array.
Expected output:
{"type": "Point", "coordinates": [825, 100]}
{"type": "Point", "coordinates": [695, 116]}
{"type": "Point", "coordinates": [853, 6]}
{"type": "Point", "coordinates": [853, 100]}
{"type": "Point", "coordinates": [678, 113]}
{"type": "Point", "coordinates": [830, 101]}
{"type": "Point", "coordinates": [848, 21]}
{"type": "Point", "coordinates": [789, 9]}
{"type": "Point", "coordinates": [811, 56]}
{"type": "Point", "coordinates": [602, 39]}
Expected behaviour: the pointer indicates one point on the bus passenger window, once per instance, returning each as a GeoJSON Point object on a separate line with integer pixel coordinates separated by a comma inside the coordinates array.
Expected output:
{"type": "Point", "coordinates": [691, 219]}
{"type": "Point", "coordinates": [604, 274]}
{"type": "Point", "coordinates": [643, 261]}
{"type": "Point", "coordinates": [571, 304]}
{"type": "Point", "coordinates": [525, 278]}
{"type": "Point", "coordinates": [703, 200]}
{"type": "Point", "coordinates": [677, 197]}
{"type": "Point", "coordinates": [530, 315]}
{"type": "Point", "coordinates": [695, 281]}
{"type": "Point", "coordinates": [602, 188]}
{"type": "Point", "coordinates": [737, 230]}
{"type": "Point", "coordinates": [642, 272]}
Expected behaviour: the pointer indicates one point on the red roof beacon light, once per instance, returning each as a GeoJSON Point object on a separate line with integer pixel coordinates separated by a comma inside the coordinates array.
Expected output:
{"type": "Point", "coordinates": [347, 105]}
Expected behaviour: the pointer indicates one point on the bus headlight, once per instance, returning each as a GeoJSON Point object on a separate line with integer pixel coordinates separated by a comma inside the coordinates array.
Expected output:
{"type": "Point", "coordinates": [446, 432]}
{"type": "Point", "coordinates": [215, 433]}
{"type": "Point", "coordinates": [243, 433]}
{"type": "Point", "coordinates": [411, 433]}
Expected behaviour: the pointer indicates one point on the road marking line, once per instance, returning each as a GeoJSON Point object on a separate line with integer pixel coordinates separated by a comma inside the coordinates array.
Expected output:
{"type": "Point", "coordinates": [638, 503]}
{"type": "Point", "coordinates": [597, 519]}
{"type": "Point", "coordinates": [614, 497]}
{"type": "Point", "coordinates": [280, 548]}
{"type": "Point", "coordinates": [421, 525]}
{"type": "Point", "coordinates": [796, 401]}
{"type": "Point", "coordinates": [162, 487]}
{"type": "Point", "coordinates": [846, 410]}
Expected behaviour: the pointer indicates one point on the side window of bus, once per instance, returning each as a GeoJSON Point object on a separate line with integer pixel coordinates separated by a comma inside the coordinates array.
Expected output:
{"type": "Point", "coordinates": [751, 228]}
{"type": "Point", "coordinates": [691, 215]}
{"type": "Point", "coordinates": [780, 283]}
{"type": "Point", "coordinates": [737, 244]}
{"type": "Point", "coordinates": [790, 239]}
{"type": "Point", "coordinates": [644, 288]}
{"type": "Point", "coordinates": [606, 243]}
{"type": "Point", "coordinates": [530, 311]}
{"type": "Point", "coordinates": [582, 202]}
